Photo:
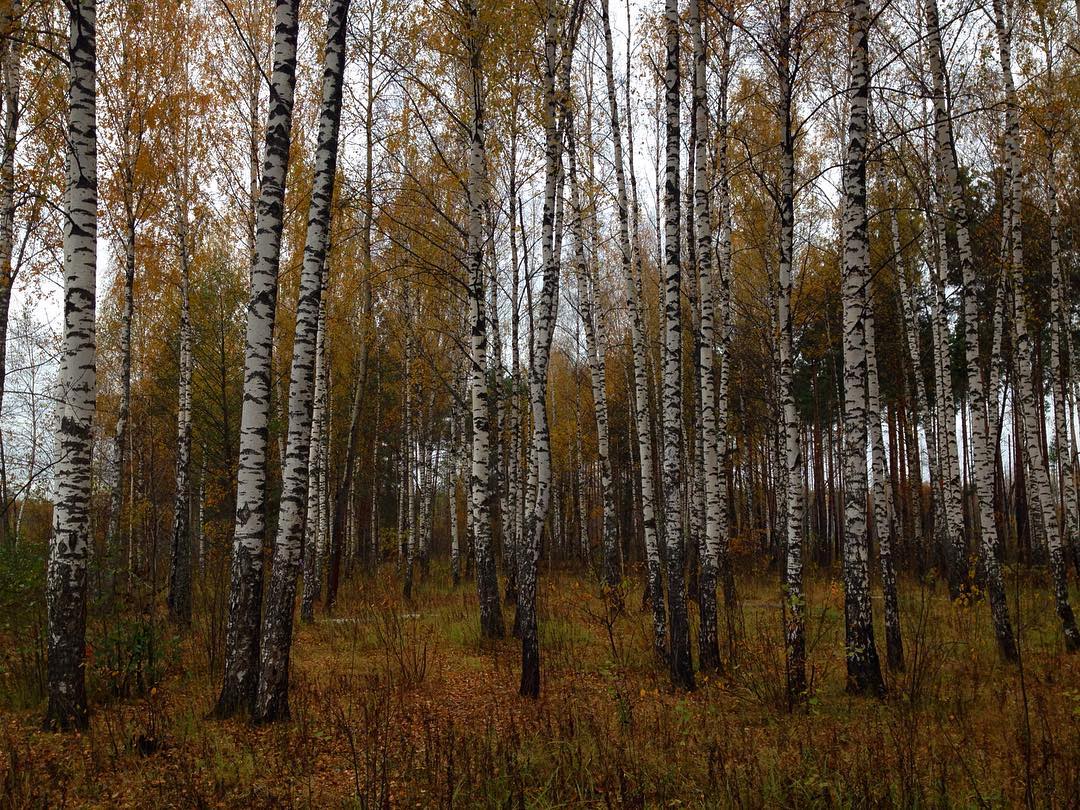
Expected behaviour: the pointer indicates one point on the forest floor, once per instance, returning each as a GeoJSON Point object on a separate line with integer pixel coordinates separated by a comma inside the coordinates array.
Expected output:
{"type": "Point", "coordinates": [399, 704]}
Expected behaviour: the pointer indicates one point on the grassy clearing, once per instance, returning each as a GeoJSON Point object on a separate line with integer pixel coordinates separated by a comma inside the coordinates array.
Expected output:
{"type": "Point", "coordinates": [403, 705]}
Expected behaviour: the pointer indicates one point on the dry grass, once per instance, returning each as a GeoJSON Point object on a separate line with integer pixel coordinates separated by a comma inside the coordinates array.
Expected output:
{"type": "Point", "coordinates": [403, 705]}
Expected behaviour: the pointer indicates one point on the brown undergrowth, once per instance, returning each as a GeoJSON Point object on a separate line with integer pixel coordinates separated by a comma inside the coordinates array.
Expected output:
{"type": "Point", "coordinates": [399, 704]}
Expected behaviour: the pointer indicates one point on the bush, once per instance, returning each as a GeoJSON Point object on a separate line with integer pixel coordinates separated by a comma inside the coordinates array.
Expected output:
{"type": "Point", "coordinates": [22, 624]}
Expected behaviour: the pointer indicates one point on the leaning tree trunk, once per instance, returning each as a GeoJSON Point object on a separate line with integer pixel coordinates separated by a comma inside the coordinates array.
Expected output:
{"type": "Point", "coordinates": [180, 567]}
{"type": "Point", "coordinates": [682, 668]}
{"type": "Point", "coordinates": [631, 263]}
{"type": "Point", "coordinates": [272, 701]}
{"type": "Point", "coordinates": [245, 588]}
{"type": "Point", "coordinates": [70, 542]}
{"type": "Point", "coordinates": [794, 600]}
{"type": "Point", "coordinates": [983, 439]}
{"type": "Point", "coordinates": [487, 583]}
{"type": "Point", "coordinates": [863, 669]}
{"type": "Point", "coordinates": [1036, 460]}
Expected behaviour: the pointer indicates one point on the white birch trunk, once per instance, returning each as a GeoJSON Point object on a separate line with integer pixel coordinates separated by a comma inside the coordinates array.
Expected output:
{"type": "Point", "coordinates": [863, 669]}
{"type": "Point", "coordinates": [682, 670]}
{"type": "Point", "coordinates": [245, 674]}
{"type": "Point", "coordinates": [10, 85]}
{"type": "Point", "coordinates": [311, 521]}
{"type": "Point", "coordinates": [544, 328]}
{"type": "Point", "coordinates": [708, 642]}
{"type": "Point", "coordinates": [630, 254]}
{"type": "Point", "coordinates": [794, 600]}
{"type": "Point", "coordinates": [487, 585]}
{"type": "Point", "coordinates": [884, 510]}
{"type": "Point", "coordinates": [951, 518]}
{"type": "Point", "coordinates": [245, 590]}
{"type": "Point", "coordinates": [594, 350]}
{"type": "Point", "coordinates": [1039, 475]}
{"type": "Point", "coordinates": [455, 463]}
{"type": "Point", "coordinates": [70, 541]}
{"type": "Point", "coordinates": [982, 440]}
{"type": "Point", "coordinates": [180, 567]}
{"type": "Point", "coordinates": [118, 448]}
{"type": "Point", "coordinates": [1059, 349]}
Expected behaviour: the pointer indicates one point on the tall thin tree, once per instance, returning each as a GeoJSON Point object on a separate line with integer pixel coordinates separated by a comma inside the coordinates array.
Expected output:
{"type": "Point", "coordinates": [863, 668]}
{"type": "Point", "coordinates": [241, 674]}
{"type": "Point", "coordinates": [272, 701]}
{"type": "Point", "coordinates": [70, 543]}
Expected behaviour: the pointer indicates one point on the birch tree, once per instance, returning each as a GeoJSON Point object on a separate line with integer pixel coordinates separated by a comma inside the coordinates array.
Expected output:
{"type": "Point", "coordinates": [682, 671]}
{"type": "Point", "coordinates": [983, 439]}
{"type": "Point", "coordinates": [70, 542]}
{"type": "Point", "coordinates": [10, 98]}
{"type": "Point", "coordinates": [594, 350]}
{"type": "Point", "coordinates": [708, 643]}
{"type": "Point", "coordinates": [881, 497]}
{"type": "Point", "coordinates": [863, 669]}
{"type": "Point", "coordinates": [272, 701]}
{"type": "Point", "coordinates": [242, 662]}
{"type": "Point", "coordinates": [1046, 510]}
{"type": "Point", "coordinates": [180, 567]}
{"type": "Point", "coordinates": [312, 514]}
{"type": "Point", "coordinates": [794, 601]}
{"type": "Point", "coordinates": [487, 584]}
{"type": "Point", "coordinates": [630, 256]}
{"type": "Point", "coordinates": [544, 328]}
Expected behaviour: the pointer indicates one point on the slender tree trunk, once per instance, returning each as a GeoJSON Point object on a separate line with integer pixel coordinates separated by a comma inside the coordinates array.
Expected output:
{"type": "Point", "coordinates": [70, 542]}
{"type": "Point", "coordinates": [409, 469]}
{"type": "Point", "coordinates": [1059, 350]}
{"type": "Point", "coordinates": [983, 444]}
{"type": "Point", "coordinates": [1036, 460]}
{"type": "Point", "coordinates": [118, 449]}
{"type": "Point", "coordinates": [863, 669]}
{"type": "Point", "coordinates": [272, 702]}
{"type": "Point", "coordinates": [726, 326]}
{"type": "Point", "coordinates": [338, 528]}
{"type": "Point", "coordinates": [794, 600]}
{"type": "Point", "coordinates": [10, 83]}
{"type": "Point", "coordinates": [910, 329]}
{"type": "Point", "coordinates": [708, 642]}
{"type": "Point", "coordinates": [951, 484]}
{"type": "Point", "coordinates": [884, 511]}
{"type": "Point", "coordinates": [630, 254]}
{"type": "Point", "coordinates": [456, 441]}
{"type": "Point", "coordinates": [682, 668]}
{"type": "Point", "coordinates": [311, 525]}
{"type": "Point", "coordinates": [245, 588]}
{"type": "Point", "coordinates": [515, 493]}
{"type": "Point", "coordinates": [487, 584]}
{"type": "Point", "coordinates": [544, 328]}
{"type": "Point", "coordinates": [594, 349]}
{"type": "Point", "coordinates": [180, 567]}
